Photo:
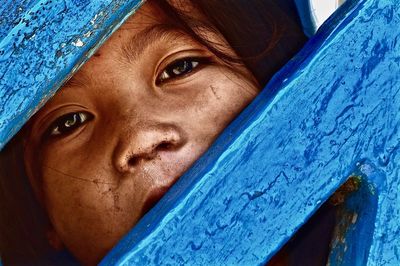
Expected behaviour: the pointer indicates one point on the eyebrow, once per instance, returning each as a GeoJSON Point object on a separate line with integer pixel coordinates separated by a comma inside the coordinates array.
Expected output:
{"type": "Point", "coordinates": [138, 43]}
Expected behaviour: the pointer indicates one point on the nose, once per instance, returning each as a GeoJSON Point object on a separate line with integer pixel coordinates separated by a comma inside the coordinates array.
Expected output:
{"type": "Point", "coordinates": [145, 142]}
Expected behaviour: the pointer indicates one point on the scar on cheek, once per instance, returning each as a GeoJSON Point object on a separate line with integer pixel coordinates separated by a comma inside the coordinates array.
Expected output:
{"type": "Point", "coordinates": [97, 54]}
{"type": "Point", "coordinates": [214, 91]}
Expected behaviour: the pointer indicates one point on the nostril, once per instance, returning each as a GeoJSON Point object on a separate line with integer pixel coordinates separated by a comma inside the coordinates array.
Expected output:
{"type": "Point", "coordinates": [163, 146]}
{"type": "Point", "coordinates": [134, 160]}
{"type": "Point", "coordinates": [147, 145]}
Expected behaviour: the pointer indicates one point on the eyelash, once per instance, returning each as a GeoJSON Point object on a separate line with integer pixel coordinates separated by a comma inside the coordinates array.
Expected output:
{"type": "Point", "coordinates": [67, 123]}
{"type": "Point", "coordinates": [188, 65]}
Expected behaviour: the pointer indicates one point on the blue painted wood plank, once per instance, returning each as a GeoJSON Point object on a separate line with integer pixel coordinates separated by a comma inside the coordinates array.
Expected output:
{"type": "Point", "coordinates": [333, 109]}
{"type": "Point", "coordinates": [42, 43]}
{"type": "Point", "coordinates": [252, 190]}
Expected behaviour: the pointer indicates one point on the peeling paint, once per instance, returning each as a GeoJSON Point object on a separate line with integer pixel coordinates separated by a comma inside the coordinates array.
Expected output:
{"type": "Point", "coordinates": [78, 43]}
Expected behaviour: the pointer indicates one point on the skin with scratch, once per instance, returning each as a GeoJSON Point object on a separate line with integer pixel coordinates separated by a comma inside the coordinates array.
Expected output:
{"type": "Point", "coordinates": [97, 180]}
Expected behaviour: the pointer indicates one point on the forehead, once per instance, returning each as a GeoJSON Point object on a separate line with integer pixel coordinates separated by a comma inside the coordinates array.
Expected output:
{"type": "Point", "coordinates": [142, 29]}
{"type": "Point", "coordinates": [153, 19]}
{"type": "Point", "coordinates": [146, 17]}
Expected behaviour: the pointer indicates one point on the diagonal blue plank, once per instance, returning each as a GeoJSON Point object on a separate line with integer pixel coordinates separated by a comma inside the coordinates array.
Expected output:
{"type": "Point", "coordinates": [336, 109]}
{"type": "Point", "coordinates": [44, 42]}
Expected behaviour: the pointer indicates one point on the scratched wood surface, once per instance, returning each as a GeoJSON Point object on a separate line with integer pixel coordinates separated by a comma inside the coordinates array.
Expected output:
{"type": "Point", "coordinates": [42, 43]}
{"type": "Point", "coordinates": [335, 113]}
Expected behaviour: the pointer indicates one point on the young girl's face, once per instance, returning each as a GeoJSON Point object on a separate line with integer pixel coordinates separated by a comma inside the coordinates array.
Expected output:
{"type": "Point", "coordinates": [136, 116]}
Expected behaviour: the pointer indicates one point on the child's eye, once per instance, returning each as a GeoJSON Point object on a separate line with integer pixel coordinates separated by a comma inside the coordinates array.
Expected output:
{"type": "Point", "coordinates": [178, 68]}
{"type": "Point", "coordinates": [68, 123]}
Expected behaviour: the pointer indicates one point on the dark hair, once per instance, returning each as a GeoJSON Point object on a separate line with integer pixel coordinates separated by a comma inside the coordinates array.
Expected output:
{"type": "Point", "coordinates": [23, 221]}
{"type": "Point", "coordinates": [263, 35]}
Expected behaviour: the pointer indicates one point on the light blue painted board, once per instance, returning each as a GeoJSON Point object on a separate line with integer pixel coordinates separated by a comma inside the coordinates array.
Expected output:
{"type": "Point", "coordinates": [42, 43]}
{"type": "Point", "coordinates": [332, 111]}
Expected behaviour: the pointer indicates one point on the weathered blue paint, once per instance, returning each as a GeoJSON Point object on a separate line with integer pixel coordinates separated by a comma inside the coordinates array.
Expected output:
{"type": "Point", "coordinates": [42, 43]}
{"type": "Point", "coordinates": [332, 112]}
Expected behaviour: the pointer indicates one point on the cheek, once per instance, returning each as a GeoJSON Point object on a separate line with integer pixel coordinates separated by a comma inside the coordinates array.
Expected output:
{"type": "Point", "coordinates": [89, 215]}
{"type": "Point", "coordinates": [218, 101]}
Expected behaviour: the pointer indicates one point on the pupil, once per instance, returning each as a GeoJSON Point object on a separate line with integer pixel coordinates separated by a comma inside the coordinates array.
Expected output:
{"type": "Point", "coordinates": [181, 67]}
{"type": "Point", "coordinates": [71, 122]}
